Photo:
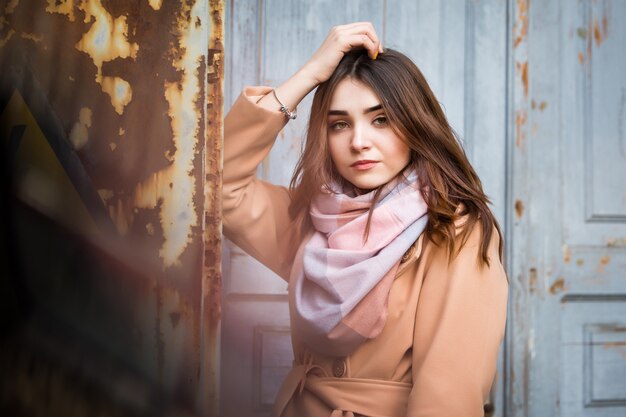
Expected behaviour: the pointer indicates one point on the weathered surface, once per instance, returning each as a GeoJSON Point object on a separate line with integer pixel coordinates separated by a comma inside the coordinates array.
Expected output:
{"type": "Point", "coordinates": [112, 113]}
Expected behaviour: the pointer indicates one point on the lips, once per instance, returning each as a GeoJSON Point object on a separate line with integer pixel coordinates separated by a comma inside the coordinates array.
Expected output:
{"type": "Point", "coordinates": [364, 164]}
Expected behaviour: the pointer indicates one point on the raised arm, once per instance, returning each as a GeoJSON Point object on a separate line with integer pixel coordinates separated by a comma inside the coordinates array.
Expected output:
{"type": "Point", "coordinates": [255, 213]}
{"type": "Point", "coordinates": [459, 326]}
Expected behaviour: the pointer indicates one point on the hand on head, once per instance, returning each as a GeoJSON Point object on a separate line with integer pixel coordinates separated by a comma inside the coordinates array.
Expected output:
{"type": "Point", "coordinates": [340, 40]}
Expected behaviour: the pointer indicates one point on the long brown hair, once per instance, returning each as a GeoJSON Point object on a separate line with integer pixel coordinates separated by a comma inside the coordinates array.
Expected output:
{"type": "Point", "coordinates": [448, 182]}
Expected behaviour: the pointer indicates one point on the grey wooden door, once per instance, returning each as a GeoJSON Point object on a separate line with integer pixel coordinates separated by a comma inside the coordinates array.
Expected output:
{"type": "Point", "coordinates": [567, 325]}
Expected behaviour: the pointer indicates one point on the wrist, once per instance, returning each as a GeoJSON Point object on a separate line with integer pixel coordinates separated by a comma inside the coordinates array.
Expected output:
{"type": "Point", "coordinates": [306, 77]}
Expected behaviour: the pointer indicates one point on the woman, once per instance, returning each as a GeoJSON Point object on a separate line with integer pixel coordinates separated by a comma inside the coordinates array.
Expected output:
{"type": "Point", "coordinates": [397, 292]}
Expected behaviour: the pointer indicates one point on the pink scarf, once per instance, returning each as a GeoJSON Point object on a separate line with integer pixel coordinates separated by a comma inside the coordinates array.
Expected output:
{"type": "Point", "coordinates": [339, 296]}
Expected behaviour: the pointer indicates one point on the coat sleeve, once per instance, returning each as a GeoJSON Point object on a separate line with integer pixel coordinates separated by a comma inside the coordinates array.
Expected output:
{"type": "Point", "coordinates": [255, 213]}
{"type": "Point", "coordinates": [459, 326]}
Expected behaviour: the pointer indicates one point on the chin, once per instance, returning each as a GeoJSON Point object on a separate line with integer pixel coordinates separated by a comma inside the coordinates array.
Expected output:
{"type": "Point", "coordinates": [366, 186]}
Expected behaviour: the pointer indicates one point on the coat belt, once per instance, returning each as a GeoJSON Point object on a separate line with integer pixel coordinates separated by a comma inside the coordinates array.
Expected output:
{"type": "Point", "coordinates": [346, 397]}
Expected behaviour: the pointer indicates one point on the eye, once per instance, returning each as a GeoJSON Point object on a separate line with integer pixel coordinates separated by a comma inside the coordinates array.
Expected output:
{"type": "Point", "coordinates": [340, 125]}
{"type": "Point", "coordinates": [380, 121]}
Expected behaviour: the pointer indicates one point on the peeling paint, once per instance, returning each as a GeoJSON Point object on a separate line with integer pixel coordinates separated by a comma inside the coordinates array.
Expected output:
{"type": "Point", "coordinates": [79, 135]}
{"type": "Point", "coordinates": [121, 131]}
{"type": "Point", "coordinates": [106, 40]}
{"type": "Point", "coordinates": [119, 90]}
{"type": "Point", "coordinates": [567, 253]}
{"type": "Point", "coordinates": [65, 7]}
{"type": "Point", "coordinates": [177, 209]}
{"type": "Point", "coordinates": [155, 4]}
{"type": "Point", "coordinates": [558, 286]}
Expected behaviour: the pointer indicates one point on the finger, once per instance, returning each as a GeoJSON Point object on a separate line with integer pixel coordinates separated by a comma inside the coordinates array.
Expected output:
{"type": "Point", "coordinates": [367, 29]}
{"type": "Point", "coordinates": [362, 40]}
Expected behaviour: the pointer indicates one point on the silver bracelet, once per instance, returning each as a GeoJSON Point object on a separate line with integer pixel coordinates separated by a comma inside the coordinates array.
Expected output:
{"type": "Point", "coordinates": [288, 113]}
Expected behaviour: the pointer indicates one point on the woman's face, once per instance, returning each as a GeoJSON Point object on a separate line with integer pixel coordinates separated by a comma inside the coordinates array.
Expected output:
{"type": "Point", "coordinates": [363, 146]}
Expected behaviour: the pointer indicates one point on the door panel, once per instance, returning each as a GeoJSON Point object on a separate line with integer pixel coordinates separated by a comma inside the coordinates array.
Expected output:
{"type": "Point", "coordinates": [568, 254]}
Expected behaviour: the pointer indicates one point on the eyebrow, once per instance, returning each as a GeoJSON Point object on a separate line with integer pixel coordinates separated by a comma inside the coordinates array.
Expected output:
{"type": "Point", "coordinates": [345, 113]}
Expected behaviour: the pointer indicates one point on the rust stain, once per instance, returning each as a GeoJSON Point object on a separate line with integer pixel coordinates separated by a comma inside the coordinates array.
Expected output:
{"type": "Point", "coordinates": [519, 208]}
{"type": "Point", "coordinates": [567, 254]}
{"type": "Point", "coordinates": [534, 129]}
{"type": "Point", "coordinates": [32, 37]}
{"type": "Point", "coordinates": [597, 36]}
{"type": "Point", "coordinates": [580, 262]}
{"type": "Point", "coordinates": [176, 201]}
{"type": "Point", "coordinates": [8, 36]}
{"type": "Point", "coordinates": [620, 347]}
{"type": "Point", "coordinates": [522, 69]}
{"type": "Point", "coordinates": [520, 121]}
{"type": "Point", "coordinates": [581, 58]}
{"type": "Point", "coordinates": [604, 261]}
{"type": "Point", "coordinates": [532, 280]}
{"type": "Point", "coordinates": [582, 33]}
{"type": "Point", "coordinates": [600, 31]}
{"type": "Point", "coordinates": [158, 332]}
{"type": "Point", "coordinates": [212, 274]}
{"type": "Point", "coordinates": [543, 105]}
{"type": "Point", "coordinates": [520, 27]}
{"type": "Point", "coordinates": [10, 7]}
{"type": "Point", "coordinates": [557, 286]}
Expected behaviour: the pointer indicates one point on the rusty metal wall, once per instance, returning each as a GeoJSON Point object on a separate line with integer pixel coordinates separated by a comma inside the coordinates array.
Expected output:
{"type": "Point", "coordinates": [110, 120]}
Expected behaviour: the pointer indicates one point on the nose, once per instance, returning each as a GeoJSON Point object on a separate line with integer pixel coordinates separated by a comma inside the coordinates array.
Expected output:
{"type": "Point", "coordinates": [359, 141]}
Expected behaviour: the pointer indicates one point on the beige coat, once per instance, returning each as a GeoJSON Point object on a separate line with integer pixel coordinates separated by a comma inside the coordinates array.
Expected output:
{"type": "Point", "coordinates": [437, 353]}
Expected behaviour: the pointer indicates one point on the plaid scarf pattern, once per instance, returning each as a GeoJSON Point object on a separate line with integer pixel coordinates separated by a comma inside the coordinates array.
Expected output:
{"type": "Point", "coordinates": [340, 292]}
